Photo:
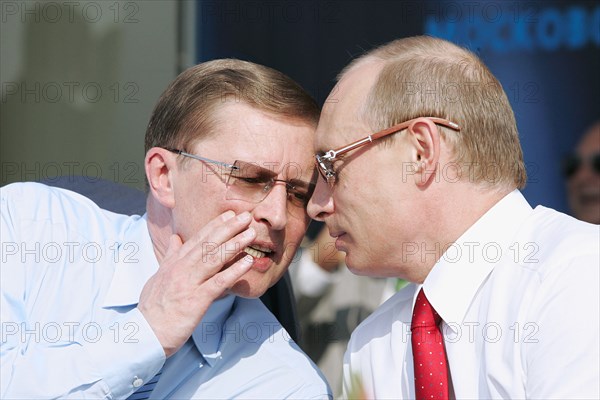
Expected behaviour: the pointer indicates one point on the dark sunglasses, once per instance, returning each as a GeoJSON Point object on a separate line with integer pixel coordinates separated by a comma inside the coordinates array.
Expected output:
{"type": "Point", "coordinates": [573, 163]}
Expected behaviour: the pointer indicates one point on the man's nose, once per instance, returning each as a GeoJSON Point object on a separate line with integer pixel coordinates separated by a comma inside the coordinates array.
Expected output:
{"type": "Point", "coordinates": [321, 201]}
{"type": "Point", "coordinates": [273, 209]}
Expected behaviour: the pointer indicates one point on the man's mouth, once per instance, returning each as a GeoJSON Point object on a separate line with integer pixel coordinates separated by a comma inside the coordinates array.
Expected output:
{"type": "Point", "coordinates": [257, 251]}
{"type": "Point", "coordinates": [589, 196]}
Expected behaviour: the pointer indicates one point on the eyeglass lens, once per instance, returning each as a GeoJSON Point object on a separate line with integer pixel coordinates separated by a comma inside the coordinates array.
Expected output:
{"type": "Point", "coordinates": [250, 182]}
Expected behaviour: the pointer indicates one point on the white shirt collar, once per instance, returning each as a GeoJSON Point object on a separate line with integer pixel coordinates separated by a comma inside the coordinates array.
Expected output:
{"type": "Point", "coordinates": [457, 276]}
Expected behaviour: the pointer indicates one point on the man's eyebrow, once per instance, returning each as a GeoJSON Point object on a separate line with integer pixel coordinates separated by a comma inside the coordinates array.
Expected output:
{"type": "Point", "coordinates": [300, 183]}
{"type": "Point", "coordinates": [306, 183]}
{"type": "Point", "coordinates": [256, 167]}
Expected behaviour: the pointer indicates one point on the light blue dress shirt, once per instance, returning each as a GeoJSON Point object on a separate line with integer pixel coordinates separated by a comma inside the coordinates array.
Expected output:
{"type": "Point", "coordinates": [71, 277]}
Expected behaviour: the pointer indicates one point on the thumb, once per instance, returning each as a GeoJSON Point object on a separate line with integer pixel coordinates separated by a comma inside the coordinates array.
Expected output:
{"type": "Point", "coordinates": [175, 244]}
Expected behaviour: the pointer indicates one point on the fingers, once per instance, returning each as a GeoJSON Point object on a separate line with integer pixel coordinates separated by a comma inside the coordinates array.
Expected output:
{"type": "Point", "coordinates": [175, 244]}
{"type": "Point", "coordinates": [217, 243]}
{"type": "Point", "coordinates": [222, 246]}
{"type": "Point", "coordinates": [218, 230]}
{"type": "Point", "coordinates": [220, 240]}
{"type": "Point", "coordinates": [219, 283]}
{"type": "Point", "coordinates": [190, 277]}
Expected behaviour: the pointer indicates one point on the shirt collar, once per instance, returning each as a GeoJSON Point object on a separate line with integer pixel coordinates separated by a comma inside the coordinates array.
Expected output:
{"type": "Point", "coordinates": [135, 264]}
{"type": "Point", "coordinates": [207, 335]}
{"type": "Point", "coordinates": [457, 276]}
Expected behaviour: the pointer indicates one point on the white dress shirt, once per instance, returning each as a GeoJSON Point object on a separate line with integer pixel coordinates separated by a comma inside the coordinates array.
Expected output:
{"type": "Point", "coordinates": [519, 296]}
{"type": "Point", "coordinates": [71, 277]}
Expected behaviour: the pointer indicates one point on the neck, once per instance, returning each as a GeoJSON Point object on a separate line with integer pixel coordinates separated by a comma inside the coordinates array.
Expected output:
{"type": "Point", "coordinates": [159, 227]}
{"type": "Point", "coordinates": [463, 204]}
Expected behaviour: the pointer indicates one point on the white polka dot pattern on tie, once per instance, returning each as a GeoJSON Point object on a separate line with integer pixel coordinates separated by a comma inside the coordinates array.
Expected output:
{"type": "Point", "coordinates": [429, 356]}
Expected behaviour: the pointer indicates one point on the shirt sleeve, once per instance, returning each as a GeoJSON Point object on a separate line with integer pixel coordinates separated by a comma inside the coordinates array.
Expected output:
{"type": "Point", "coordinates": [96, 364]}
{"type": "Point", "coordinates": [562, 347]}
{"type": "Point", "coordinates": [62, 358]}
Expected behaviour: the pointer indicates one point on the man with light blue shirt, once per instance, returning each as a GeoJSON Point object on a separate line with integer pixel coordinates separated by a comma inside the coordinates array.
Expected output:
{"type": "Point", "coordinates": [504, 300]}
{"type": "Point", "coordinates": [100, 305]}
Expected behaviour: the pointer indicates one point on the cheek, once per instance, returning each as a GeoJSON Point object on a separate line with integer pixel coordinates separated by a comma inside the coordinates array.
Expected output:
{"type": "Point", "coordinates": [294, 234]}
{"type": "Point", "coordinates": [572, 185]}
{"type": "Point", "coordinates": [296, 229]}
{"type": "Point", "coordinates": [195, 211]}
{"type": "Point", "coordinates": [354, 202]}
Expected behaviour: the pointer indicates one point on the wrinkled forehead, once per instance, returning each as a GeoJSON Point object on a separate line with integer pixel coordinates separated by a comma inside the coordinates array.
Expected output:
{"type": "Point", "coordinates": [273, 142]}
{"type": "Point", "coordinates": [343, 117]}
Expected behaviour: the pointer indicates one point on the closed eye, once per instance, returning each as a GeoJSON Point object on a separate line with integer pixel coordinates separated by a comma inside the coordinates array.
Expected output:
{"type": "Point", "coordinates": [299, 195]}
{"type": "Point", "coordinates": [252, 180]}
{"type": "Point", "coordinates": [300, 191]}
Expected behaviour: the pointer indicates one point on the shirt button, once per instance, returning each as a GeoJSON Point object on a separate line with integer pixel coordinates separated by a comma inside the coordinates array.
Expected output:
{"type": "Point", "coordinates": [137, 382]}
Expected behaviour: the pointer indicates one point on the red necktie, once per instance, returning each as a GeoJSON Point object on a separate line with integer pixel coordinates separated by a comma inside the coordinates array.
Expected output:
{"type": "Point", "coordinates": [429, 356]}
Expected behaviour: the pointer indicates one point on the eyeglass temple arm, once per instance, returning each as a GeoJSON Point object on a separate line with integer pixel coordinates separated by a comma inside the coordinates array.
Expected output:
{"type": "Point", "coordinates": [332, 154]}
{"type": "Point", "coordinates": [183, 153]}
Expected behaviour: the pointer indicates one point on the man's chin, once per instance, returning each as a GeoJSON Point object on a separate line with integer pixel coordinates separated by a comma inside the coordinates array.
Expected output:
{"type": "Point", "coordinates": [250, 287]}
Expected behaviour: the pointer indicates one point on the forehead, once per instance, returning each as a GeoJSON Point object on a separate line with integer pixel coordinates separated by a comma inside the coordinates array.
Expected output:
{"type": "Point", "coordinates": [242, 132]}
{"type": "Point", "coordinates": [590, 143]}
{"type": "Point", "coordinates": [342, 117]}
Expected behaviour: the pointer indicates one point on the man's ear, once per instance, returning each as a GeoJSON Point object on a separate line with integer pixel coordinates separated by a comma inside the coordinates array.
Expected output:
{"type": "Point", "coordinates": [425, 137]}
{"type": "Point", "coordinates": [160, 164]}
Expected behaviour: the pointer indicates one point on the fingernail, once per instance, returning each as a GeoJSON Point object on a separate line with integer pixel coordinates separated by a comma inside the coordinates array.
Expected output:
{"type": "Point", "coordinates": [248, 259]}
{"type": "Point", "coordinates": [244, 217]}
{"type": "Point", "coordinates": [249, 233]}
{"type": "Point", "coordinates": [228, 215]}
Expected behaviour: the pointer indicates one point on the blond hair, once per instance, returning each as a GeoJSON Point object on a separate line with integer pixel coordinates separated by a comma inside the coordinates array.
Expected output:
{"type": "Point", "coordinates": [185, 111]}
{"type": "Point", "coordinates": [426, 76]}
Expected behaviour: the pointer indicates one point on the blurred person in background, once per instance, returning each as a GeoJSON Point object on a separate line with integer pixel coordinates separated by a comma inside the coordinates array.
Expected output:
{"type": "Point", "coordinates": [582, 174]}
{"type": "Point", "coordinates": [332, 301]}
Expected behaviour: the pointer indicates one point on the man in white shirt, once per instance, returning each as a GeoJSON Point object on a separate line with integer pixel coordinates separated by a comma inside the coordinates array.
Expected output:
{"type": "Point", "coordinates": [433, 197]}
{"type": "Point", "coordinates": [331, 303]}
{"type": "Point", "coordinates": [100, 305]}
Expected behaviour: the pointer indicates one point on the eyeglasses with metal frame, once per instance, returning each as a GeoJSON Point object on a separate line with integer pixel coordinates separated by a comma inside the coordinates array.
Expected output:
{"type": "Point", "coordinates": [325, 161]}
{"type": "Point", "coordinates": [250, 182]}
